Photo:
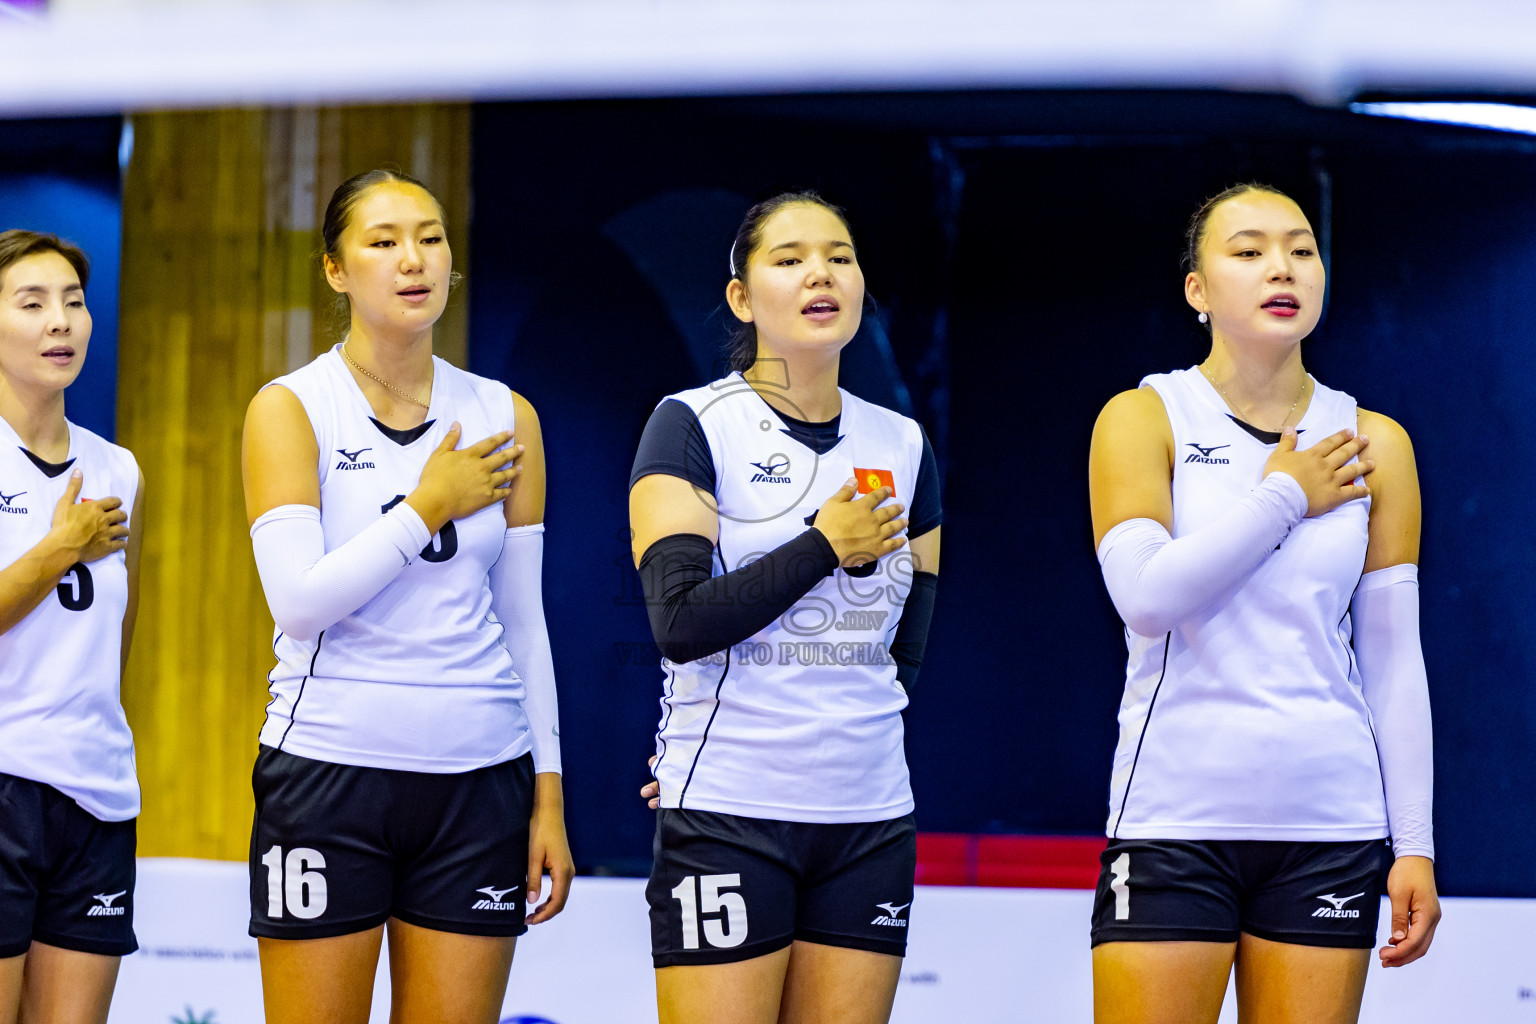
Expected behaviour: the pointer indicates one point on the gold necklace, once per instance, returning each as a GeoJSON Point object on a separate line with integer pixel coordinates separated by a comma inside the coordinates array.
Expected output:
{"type": "Point", "coordinates": [1233, 406]}
{"type": "Point", "coordinates": [375, 377]}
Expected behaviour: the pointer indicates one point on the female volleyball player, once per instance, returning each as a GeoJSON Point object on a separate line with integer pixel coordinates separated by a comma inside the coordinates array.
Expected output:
{"type": "Point", "coordinates": [771, 556]}
{"type": "Point", "coordinates": [68, 593]}
{"type": "Point", "coordinates": [1275, 726]}
{"type": "Point", "coordinates": [409, 765]}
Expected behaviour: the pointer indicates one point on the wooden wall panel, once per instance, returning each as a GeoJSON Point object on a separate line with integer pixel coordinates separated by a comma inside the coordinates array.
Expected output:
{"type": "Point", "coordinates": [221, 292]}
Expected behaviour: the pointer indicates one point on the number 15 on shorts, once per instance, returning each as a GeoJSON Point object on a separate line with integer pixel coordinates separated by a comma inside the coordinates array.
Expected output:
{"type": "Point", "coordinates": [724, 913]}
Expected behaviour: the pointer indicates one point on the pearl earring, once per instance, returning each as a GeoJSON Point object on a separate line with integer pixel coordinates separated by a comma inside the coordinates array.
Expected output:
{"type": "Point", "coordinates": [1203, 318]}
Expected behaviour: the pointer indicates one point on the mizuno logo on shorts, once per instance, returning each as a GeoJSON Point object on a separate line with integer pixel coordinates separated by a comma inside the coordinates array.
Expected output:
{"type": "Point", "coordinates": [494, 903]}
{"type": "Point", "coordinates": [107, 909]}
{"type": "Point", "coordinates": [1337, 906]}
{"type": "Point", "coordinates": [891, 918]}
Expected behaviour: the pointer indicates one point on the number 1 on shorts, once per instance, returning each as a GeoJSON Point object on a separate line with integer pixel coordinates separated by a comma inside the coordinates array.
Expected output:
{"type": "Point", "coordinates": [1120, 885]}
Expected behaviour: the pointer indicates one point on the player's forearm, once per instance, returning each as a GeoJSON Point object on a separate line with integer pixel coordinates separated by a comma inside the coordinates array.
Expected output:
{"type": "Point", "coordinates": [32, 577]}
{"type": "Point", "coordinates": [548, 795]}
{"type": "Point", "coordinates": [1395, 685]}
{"type": "Point", "coordinates": [517, 599]}
{"type": "Point", "coordinates": [911, 639]}
{"type": "Point", "coordinates": [1157, 582]}
{"type": "Point", "coordinates": [308, 588]}
{"type": "Point", "coordinates": [695, 614]}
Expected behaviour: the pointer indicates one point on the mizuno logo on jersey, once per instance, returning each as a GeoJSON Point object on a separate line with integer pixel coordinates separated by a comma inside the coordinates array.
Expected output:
{"type": "Point", "coordinates": [6, 506]}
{"type": "Point", "coordinates": [350, 459]}
{"type": "Point", "coordinates": [891, 918]}
{"type": "Point", "coordinates": [773, 470]}
{"type": "Point", "coordinates": [107, 909]}
{"type": "Point", "coordinates": [1336, 908]}
{"type": "Point", "coordinates": [1203, 454]}
{"type": "Point", "coordinates": [494, 903]}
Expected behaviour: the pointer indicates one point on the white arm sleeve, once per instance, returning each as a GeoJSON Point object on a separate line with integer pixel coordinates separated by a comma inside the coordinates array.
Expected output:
{"type": "Point", "coordinates": [1385, 611]}
{"type": "Point", "coordinates": [1157, 582]}
{"type": "Point", "coordinates": [517, 598]}
{"type": "Point", "coordinates": [310, 589]}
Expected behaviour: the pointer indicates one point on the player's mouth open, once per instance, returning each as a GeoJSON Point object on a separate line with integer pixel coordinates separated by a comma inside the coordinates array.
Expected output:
{"type": "Point", "coordinates": [415, 294]}
{"type": "Point", "coordinates": [1283, 305]}
{"type": "Point", "coordinates": [59, 354]}
{"type": "Point", "coordinates": [821, 310]}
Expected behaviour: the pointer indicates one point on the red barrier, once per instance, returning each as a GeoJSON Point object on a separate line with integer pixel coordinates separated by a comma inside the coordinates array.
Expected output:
{"type": "Point", "coordinates": [1032, 862]}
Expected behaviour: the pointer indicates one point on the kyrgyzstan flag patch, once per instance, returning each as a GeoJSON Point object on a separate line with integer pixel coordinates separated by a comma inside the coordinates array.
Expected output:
{"type": "Point", "coordinates": [873, 479]}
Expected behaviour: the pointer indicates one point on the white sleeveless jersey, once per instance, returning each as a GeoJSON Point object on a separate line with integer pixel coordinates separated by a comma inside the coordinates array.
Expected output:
{"type": "Point", "coordinates": [1246, 721]}
{"type": "Point", "coordinates": [803, 721]}
{"type": "Point", "coordinates": [61, 717]}
{"type": "Point", "coordinates": [417, 678]}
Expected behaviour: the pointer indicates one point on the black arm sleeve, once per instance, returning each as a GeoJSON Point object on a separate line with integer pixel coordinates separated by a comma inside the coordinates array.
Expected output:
{"type": "Point", "coordinates": [911, 638]}
{"type": "Point", "coordinates": [694, 614]}
{"type": "Point", "coordinates": [926, 510]}
{"type": "Point", "coordinates": [674, 443]}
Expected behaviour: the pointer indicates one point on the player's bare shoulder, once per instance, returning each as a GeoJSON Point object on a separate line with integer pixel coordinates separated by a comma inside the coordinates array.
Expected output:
{"type": "Point", "coordinates": [1391, 452]}
{"type": "Point", "coordinates": [1132, 413]}
{"type": "Point", "coordinates": [1394, 483]}
{"type": "Point", "coordinates": [1390, 446]}
{"type": "Point", "coordinates": [1130, 462]}
{"type": "Point", "coordinates": [277, 453]}
{"type": "Point", "coordinates": [527, 419]}
{"type": "Point", "coordinates": [1132, 422]}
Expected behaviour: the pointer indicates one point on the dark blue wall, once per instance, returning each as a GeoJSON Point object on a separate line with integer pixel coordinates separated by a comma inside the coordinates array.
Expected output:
{"type": "Point", "coordinates": [1024, 249]}
{"type": "Point", "coordinates": [61, 176]}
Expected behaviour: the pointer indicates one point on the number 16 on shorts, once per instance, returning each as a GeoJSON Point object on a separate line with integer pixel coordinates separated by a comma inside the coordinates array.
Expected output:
{"type": "Point", "coordinates": [294, 880]}
{"type": "Point", "coordinates": [706, 898]}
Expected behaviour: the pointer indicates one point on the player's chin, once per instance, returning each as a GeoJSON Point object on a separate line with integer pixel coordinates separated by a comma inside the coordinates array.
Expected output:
{"type": "Point", "coordinates": [831, 336]}
{"type": "Point", "coordinates": [424, 315]}
{"type": "Point", "coordinates": [60, 377]}
{"type": "Point", "coordinates": [1288, 331]}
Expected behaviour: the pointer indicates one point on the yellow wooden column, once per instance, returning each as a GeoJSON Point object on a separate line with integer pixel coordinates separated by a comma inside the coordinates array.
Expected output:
{"type": "Point", "coordinates": [221, 292]}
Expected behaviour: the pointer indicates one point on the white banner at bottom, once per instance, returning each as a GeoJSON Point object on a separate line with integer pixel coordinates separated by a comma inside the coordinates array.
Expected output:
{"type": "Point", "coordinates": [983, 956]}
